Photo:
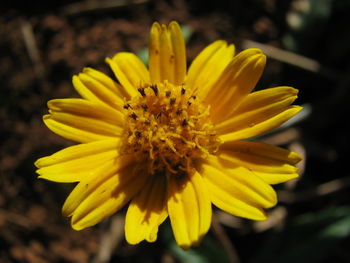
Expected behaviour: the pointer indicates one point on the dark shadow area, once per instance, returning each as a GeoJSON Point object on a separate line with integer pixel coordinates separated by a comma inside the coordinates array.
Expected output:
{"type": "Point", "coordinates": [44, 43]}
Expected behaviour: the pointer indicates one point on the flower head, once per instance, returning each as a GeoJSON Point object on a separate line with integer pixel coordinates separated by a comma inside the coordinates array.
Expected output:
{"type": "Point", "coordinates": [171, 141]}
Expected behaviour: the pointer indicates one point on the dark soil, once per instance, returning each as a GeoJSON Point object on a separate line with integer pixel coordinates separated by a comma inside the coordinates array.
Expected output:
{"type": "Point", "coordinates": [42, 45]}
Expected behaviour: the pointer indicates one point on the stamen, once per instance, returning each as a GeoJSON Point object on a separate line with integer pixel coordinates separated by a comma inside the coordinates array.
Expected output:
{"type": "Point", "coordinates": [142, 92]}
{"type": "Point", "coordinates": [170, 127]}
{"type": "Point", "coordinates": [155, 89]}
{"type": "Point", "coordinates": [179, 111]}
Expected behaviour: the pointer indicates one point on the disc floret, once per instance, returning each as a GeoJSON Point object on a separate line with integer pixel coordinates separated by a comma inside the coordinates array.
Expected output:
{"type": "Point", "coordinates": [169, 126]}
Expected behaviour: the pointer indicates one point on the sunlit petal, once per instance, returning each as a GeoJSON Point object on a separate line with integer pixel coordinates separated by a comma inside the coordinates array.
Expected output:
{"type": "Point", "coordinates": [189, 209]}
{"type": "Point", "coordinates": [207, 67]}
{"type": "Point", "coordinates": [130, 72]}
{"type": "Point", "coordinates": [76, 162]}
{"type": "Point", "coordinates": [167, 54]}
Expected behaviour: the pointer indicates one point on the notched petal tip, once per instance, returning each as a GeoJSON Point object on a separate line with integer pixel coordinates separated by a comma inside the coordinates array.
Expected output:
{"type": "Point", "coordinates": [42, 176]}
{"type": "Point", "coordinates": [292, 90]}
{"type": "Point", "coordinates": [262, 59]}
{"type": "Point", "coordinates": [88, 70]}
{"type": "Point", "coordinates": [258, 60]}
{"type": "Point", "coordinates": [252, 51]}
{"type": "Point", "coordinates": [51, 104]}
{"type": "Point", "coordinates": [295, 109]}
{"type": "Point", "coordinates": [295, 158]}
{"type": "Point", "coordinates": [65, 213]}
{"type": "Point", "coordinates": [55, 104]}
{"type": "Point", "coordinates": [38, 162]}
{"type": "Point", "coordinates": [251, 56]}
{"type": "Point", "coordinates": [39, 176]}
{"type": "Point", "coordinates": [46, 117]}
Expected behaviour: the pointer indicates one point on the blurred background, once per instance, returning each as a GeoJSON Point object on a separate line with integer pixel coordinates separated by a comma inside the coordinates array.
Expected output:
{"type": "Point", "coordinates": [43, 43]}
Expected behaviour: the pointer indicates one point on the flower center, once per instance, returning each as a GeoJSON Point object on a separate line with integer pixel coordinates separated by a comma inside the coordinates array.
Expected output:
{"type": "Point", "coordinates": [169, 127]}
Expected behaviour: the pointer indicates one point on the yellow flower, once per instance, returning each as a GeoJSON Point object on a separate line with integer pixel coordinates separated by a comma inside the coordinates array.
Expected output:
{"type": "Point", "coordinates": [170, 141]}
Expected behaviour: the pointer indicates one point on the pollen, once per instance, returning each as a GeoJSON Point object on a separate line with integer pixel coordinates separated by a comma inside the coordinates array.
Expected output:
{"type": "Point", "coordinates": [169, 127]}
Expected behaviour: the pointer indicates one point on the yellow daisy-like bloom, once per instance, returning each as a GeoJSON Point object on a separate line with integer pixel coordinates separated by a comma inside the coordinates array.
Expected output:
{"type": "Point", "coordinates": [170, 141]}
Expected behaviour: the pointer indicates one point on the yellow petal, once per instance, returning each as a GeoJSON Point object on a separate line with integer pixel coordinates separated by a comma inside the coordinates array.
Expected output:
{"type": "Point", "coordinates": [261, 98]}
{"type": "Point", "coordinates": [108, 198]}
{"type": "Point", "coordinates": [189, 209]}
{"type": "Point", "coordinates": [167, 54]}
{"type": "Point", "coordinates": [93, 180]}
{"type": "Point", "coordinates": [153, 53]}
{"type": "Point", "coordinates": [130, 72]}
{"type": "Point", "coordinates": [71, 133]}
{"type": "Point", "coordinates": [98, 88]}
{"type": "Point", "coordinates": [102, 194]}
{"type": "Point", "coordinates": [224, 200]}
{"type": "Point", "coordinates": [147, 211]}
{"type": "Point", "coordinates": [207, 67]}
{"type": "Point", "coordinates": [263, 150]}
{"type": "Point", "coordinates": [179, 50]}
{"type": "Point", "coordinates": [271, 163]}
{"type": "Point", "coordinates": [80, 128]}
{"type": "Point", "coordinates": [237, 81]}
{"type": "Point", "coordinates": [238, 182]}
{"type": "Point", "coordinates": [87, 108]}
{"type": "Point", "coordinates": [254, 129]}
{"type": "Point", "coordinates": [258, 107]}
{"type": "Point", "coordinates": [75, 163]}
{"type": "Point", "coordinates": [104, 80]}
{"type": "Point", "coordinates": [276, 178]}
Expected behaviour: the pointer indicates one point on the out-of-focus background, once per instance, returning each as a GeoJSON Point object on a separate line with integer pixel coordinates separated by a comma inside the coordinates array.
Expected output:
{"type": "Point", "coordinates": [43, 43]}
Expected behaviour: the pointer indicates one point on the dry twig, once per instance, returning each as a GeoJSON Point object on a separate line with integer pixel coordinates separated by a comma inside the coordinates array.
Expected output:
{"type": "Point", "coordinates": [292, 59]}
{"type": "Point", "coordinates": [110, 238]}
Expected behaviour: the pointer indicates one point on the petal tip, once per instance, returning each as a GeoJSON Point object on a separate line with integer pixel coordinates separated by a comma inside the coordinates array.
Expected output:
{"type": "Point", "coordinates": [108, 61]}
{"type": "Point", "coordinates": [46, 117]}
{"type": "Point", "coordinates": [295, 157]}
{"type": "Point", "coordinates": [77, 227]}
{"type": "Point", "coordinates": [174, 24]}
{"type": "Point", "coordinates": [88, 70]}
{"type": "Point", "coordinates": [155, 28]}
{"type": "Point", "coordinates": [37, 164]}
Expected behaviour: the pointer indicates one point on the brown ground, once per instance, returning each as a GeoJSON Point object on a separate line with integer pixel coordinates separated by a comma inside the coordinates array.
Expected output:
{"type": "Point", "coordinates": [42, 45]}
